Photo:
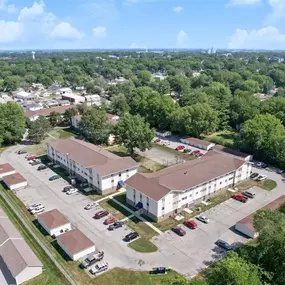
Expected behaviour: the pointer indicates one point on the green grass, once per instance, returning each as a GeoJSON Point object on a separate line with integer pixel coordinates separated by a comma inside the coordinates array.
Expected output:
{"type": "Point", "coordinates": [119, 276]}
{"type": "Point", "coordinates": [122, 198]}
{"type": "Point", "coordinates": [115, 209]}
{"type": "Point", "coordinates": [141, 228]}
{"type": "Point", "coordinates": [225, 138]}
{"type": "Point", "coordinates": [143, 245]}
{"type": "Point", "coordinates": [268, 184]}
{"type": "Point", "coordinates": [50, 275]}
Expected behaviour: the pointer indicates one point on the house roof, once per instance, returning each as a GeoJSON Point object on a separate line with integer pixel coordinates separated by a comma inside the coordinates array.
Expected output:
{"type": "Point", "coordinates": [75, 241]}
{"type": "Point", "coordinates": [13, 179]}
{"type": "Point", "coordinates": [248, 220]}
{"type": "Point", "coordinates": [113, 119]}
{"type": "Point", "coordinates": [93, 156]}
{"type": "Point", "coordinates": [198, 142]}
{"type": "Point", "coordinates": [221, 148]}
{"type": "Point", "coordinates": [6, 167]}
{"type": "Point", "coordinates": [17, 256]}
{"type": "Point", "coordinates": [53, 219]}
{"type": "Point", "coordinates": [184, 176]}
{"type": "Point", "coordinates": [47, 112]}
{"type": "Point", "coordinates": [7, 230]}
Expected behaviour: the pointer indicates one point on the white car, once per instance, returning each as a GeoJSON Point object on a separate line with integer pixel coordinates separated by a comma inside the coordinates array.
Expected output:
{"type": "Point", "coordinates": [38, 210]}
{"type": "Point", "coordinates": [72, 191]}
{"type": "Point", "coordinates": [91, 206]}
{"type": "Point", "coordinates": [99, 267]}
{"type": "Point", "coordinates": [31, 207]}
{"type": "Point", "coordinates": [261, 177]}
{"type": "Point", "coordinates": [203, 219]}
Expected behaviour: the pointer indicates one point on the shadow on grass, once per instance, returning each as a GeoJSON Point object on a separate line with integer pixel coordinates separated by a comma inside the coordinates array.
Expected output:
{"type": "Point", "coordinates": [61, 251]}
{"type": "Point", "coordinates": [40, 228]}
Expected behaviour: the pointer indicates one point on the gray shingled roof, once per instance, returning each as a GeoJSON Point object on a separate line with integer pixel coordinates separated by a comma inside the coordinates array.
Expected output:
{"type": "Point", "coordinates": [17, 255]}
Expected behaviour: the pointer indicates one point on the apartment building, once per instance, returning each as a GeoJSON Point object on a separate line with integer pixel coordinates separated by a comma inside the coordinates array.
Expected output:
{"type": "Point", "coordinates": [102, 170]}
{"type": "Point", "coordinates": [167, 192]}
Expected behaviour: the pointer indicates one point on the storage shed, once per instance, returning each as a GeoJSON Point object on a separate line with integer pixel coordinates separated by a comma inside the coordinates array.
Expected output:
{"type": "Point", "coordinates": [75, 244]}
{"type": "Point", "coordinates": [198, 143]}
{"type": "Point", "coordinates": [54, 222]}
{"type": "Point", "coordinates": [15, 181]}
{"type": "Point", "coordinates": [246, 227]}
{"type": "Point", "coordinates": [6, 169]}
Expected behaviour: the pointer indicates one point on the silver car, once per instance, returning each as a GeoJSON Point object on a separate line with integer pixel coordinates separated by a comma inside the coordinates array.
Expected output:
{"type": "Point", "coordinates": [203, 219]}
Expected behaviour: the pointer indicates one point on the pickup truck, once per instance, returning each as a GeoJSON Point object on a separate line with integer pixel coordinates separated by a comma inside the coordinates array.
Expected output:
{"type": "Point", "coordinates": [92, 259]}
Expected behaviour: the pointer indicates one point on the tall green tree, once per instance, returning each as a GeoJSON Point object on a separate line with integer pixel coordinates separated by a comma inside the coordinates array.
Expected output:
{"type": "Point", "coordinates": [95, 126]}
{"type": "Point", "coordinates": [67, 116]}
{"type": "Point", "coordinates": [12, 123]}
{"type": "Point", "coordinates": [233, 269]}
{"type": "Point", "coordinates": [38, 130]}
{"type": "Point", "coordinates": [55, 118]}
{"type": "Point", "coordinates": [133, 132]}
{"type": "Point", "coordinates": [119, 104]}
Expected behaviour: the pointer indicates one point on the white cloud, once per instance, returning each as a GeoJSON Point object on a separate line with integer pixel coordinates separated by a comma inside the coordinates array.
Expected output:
{"type": "Point", "coordinates": [65, 31]}
{"type": "Point", "coordinates": [137, 46]}
{"type": "Point", "coordinates": [243, 2]}
{"type": "Point", "coordinates": [278, 10]}
{"type": "Point", "coordinates": [99, 32]}
{"type": "Point", "coordinates": [182, 39]}
{"type": "Point", "coordinates": [33, 12]}
{"type": "Point", "coordinates": [7, 8]}
{"type": "Point", "coordinates": [10, 31]}
{"type": "Point", "coordinates": [178, 9]}
{"type": "Point", "coordinates": [265, 38]}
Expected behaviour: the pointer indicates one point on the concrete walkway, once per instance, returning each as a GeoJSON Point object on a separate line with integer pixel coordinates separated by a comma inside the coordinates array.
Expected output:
{"type": "Point", "coordinates": [122, 190]}
{"type": "Point", "coordinates": [138, 216]}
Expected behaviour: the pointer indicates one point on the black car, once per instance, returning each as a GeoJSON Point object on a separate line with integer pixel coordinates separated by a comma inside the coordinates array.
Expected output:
{"type": "Point", "coordinates": [67, 188]}
{"type": "Point", "coordinates": [131, 236]}
{"type": "Point", "coordinates": [160, 270]}
{"type": "Point", "coordinates": [42, 167]}
{"type": "Point", "coordinates": [254, 175]}
{"type": "Point", "coordinates": [179, 231]}
{"type": "Point", "coordinates": [116, 225]}
{"type": "Point", "coordinates": [223, 244]}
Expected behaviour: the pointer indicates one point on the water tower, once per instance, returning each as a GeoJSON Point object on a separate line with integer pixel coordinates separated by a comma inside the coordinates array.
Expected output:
{"type": "Point", "coordinates": [33, 55]}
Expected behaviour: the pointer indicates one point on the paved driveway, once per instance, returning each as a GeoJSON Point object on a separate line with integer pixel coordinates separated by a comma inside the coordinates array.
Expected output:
{"type": "Point", "coordinates": [187, 255]}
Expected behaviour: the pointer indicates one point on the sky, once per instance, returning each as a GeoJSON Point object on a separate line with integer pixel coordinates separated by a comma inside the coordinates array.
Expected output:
{"type": "Point", "coordinates": [111, 24]}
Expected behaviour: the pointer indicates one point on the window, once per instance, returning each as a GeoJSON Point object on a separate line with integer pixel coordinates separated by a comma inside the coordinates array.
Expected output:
{"type": "Point", "coordinates": [112, 180]}
{"type": "Point", "coordinates": [162, 208]}
{"type": "Point", "coordinates": [184, 198]}
{"type": "Point", "coordinates": [221, 182]}
{"type": "Point", "coordinates": [120, 174]}
{"type": "Point", "coordinates": [147, 204]}
{"type": "Point", "coordinates": [127, 170]}
{"type": "Point", "coordinates": [140, 196]}
{"type": "Point", "coordinates": [197, 193]}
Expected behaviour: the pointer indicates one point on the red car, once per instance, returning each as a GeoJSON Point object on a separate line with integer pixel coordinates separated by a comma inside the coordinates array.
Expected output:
{"type": "Point", "coordinates": [157, 140]}
{"type": "Point", "coordinates": [32, 157]}
{"type": "Point", "coordinates": [101, 214]}
{"type": "Point", "coordinates": [190, 224]}
{"type": "Point", "coordinates": [195, 152]}
{"type": "Point", "coordinates": [110, 220]}
{"type": "Point", "coordinates": [239, 197]}
{"type": "Point", "coordinates": [180, 147]}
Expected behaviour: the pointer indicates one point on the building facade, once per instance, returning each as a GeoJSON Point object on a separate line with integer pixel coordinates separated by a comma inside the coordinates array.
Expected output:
{"type": "Point", "coordinates": [102, 170]}
{"type": "Point", "coordinates": [167, 192]}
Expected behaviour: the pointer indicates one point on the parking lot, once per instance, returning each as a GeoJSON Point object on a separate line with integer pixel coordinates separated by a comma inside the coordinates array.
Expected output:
{"type": "Point", "coordinates": [187, 255]}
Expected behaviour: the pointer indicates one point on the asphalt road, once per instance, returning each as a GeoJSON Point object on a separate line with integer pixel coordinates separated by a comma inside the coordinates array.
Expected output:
{"type": "Point", "coordinates": [187, 255]}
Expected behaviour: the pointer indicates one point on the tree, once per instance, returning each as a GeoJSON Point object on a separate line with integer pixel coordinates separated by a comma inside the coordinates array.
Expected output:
{"type": "Point", "coordinates": [54, 118]}
{"type": "Point", "coordinates": [144, 77]}
{"type": "Point", "coordinates": [233, 269]}
{"type": "Point", "coordinates": [11, 83]}
{"type": "Point", "coordinates": [280, 92]}
{"type": "Point", "coordinates": [193, 96]}
{"type": "Point", "coordinates": [274, 106]}
{"type": "Point", "coordinates": [220, 98]}
{"type": "Point", "coordinates": [259, 134]}
{"type": "Point", "coordinates": [194, 120]}
{"type": "Point", "coordinates": [95, 126]}
{"type": "Point", "coordinates": [68, 114]}
{"type": "Point", "coordinates": [39, 129]}
{"type": "Point", "coordinates": [133, 132]}
{"type": "Point", "coordinates": [119, 104]}
{"type": "Point", "coordinates": [12, 123]}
